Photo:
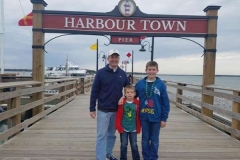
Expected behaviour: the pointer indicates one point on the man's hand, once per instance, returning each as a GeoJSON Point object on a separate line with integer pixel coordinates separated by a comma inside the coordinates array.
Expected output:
{"type": "Point", "coordinates": [93, 114]}
{"type": "Point", "coordinates": [163, 124]}
{"type": "Point", "coordinates": [120, 102]}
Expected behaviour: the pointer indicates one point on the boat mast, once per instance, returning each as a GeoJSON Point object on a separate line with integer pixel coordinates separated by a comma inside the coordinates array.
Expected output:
{"type": "Point", "coordinates": [2, 36]}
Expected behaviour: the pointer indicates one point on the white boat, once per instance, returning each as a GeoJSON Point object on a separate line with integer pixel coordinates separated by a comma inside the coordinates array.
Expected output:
{"type": "Point", "coordinates": [69, 70]}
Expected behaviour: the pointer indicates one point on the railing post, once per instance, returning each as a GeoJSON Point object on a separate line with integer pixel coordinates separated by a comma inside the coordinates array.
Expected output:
{"type": "Point", "coordinates": [76, 86]}
{"type": "Point", "coordinates": [37, 51]}
{"type": "Point", "coordinates": [82, 89]}
{"type": "Point", "coordinates": [209, 56]}
{"type": "Point", "coordinates": [73, 86]}
{"type": "Point", "coordinates": [179, 92]}
{"type": "Point", "coordinates": [14, 103]}
{"type": "Point", "coordinates": [63, 89]}
{"type": "Point", "coordinates": [236, 108]}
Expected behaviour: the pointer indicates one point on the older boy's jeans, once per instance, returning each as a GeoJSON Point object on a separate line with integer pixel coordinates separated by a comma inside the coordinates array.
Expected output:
{"type": "Point", "coordinates": [150, 139]}
{"type": "Point", "coordinates": [105, 134]}
{"type": "Point", "coordinates": [133, 142]}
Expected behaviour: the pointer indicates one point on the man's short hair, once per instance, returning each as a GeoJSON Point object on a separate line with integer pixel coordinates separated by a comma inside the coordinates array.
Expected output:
{"type": "Point", "coordinates": [152, 64]}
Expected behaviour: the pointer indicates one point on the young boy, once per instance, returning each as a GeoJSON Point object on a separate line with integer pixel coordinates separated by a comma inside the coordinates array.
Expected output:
{"type": "Point", "coordinates": [154, 110]}
{"type": "Point", "coordinates": [128, 123]}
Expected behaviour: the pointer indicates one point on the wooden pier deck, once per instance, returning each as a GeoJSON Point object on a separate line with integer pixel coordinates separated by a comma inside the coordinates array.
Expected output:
{"type": "Point", "coordinates": [69, 134]}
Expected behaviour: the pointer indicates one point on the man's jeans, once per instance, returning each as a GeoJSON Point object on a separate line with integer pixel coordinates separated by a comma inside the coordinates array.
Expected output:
{"type": "Point", "coordinates": [105, 134]}
{"type": "Point", "coordinates": [133, 142]}
{"type": "Point", "coordinates": [150, 139]}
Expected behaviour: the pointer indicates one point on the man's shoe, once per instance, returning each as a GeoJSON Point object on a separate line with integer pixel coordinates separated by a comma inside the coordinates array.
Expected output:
{"type": "Point", "coordinates": [111, 157]}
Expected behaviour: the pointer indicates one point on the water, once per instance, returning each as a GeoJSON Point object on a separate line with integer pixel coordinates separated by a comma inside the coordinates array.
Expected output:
{"type": "Point", "coordinates": [224, 81]}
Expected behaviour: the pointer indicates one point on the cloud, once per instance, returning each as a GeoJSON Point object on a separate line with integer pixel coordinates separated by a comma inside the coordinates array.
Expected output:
{"type": "Point", "coordinates": [192, 64]}
{"type": "Point", "coordinates": [170, 53]}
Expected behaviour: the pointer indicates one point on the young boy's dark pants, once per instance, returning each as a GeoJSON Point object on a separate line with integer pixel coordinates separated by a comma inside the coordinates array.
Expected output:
{"type": "Point", "coordinates": [133, 142]}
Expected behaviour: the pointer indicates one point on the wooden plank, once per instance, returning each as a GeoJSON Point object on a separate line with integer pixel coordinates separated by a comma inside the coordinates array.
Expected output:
{"type": "Point", "coordinates": [236, 89]}
{"type": "Point", "coordinates": [183, 83]}
{"type": "Point", "coordinates": [18, 84]}
{"type": "Point", "coordinates": [59, 80]}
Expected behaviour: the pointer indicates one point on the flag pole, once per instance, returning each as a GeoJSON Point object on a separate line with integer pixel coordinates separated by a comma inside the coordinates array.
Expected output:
{"type": "Point", "coordinates": [2, 36]}
{"type": "Point", "coordinates": [97, 56]}
{"type": "Point", "coordinates": [132, 66]}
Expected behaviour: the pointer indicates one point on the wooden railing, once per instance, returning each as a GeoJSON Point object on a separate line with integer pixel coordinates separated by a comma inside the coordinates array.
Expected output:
{"type": "Point", "coordinates": [13, 92]}
{"type": "Point", "coordinates": [188, 97]}
{"type": "Point", "coordinates": [84, 85]}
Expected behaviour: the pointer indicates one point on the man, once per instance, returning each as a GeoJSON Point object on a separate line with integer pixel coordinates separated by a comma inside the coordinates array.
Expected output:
{"type": "Point", "coordinates": [107, 89]}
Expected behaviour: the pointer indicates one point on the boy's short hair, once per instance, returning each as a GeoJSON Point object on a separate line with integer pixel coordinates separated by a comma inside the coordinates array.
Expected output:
{"type": "Point", "coordinates": [129, 87]}
{"type": "Point", "coordinates": [152, 64]}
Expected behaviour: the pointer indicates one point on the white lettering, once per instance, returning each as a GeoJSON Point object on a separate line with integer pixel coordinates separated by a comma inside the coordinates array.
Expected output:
{"type": "Point", "coordinates": [158, 25]}
{"type": "Point", "coordinates": [112, 23]}
{"type": "Point", "coordinates": [118, 24]}
{"type": "Point", "coordinates": [183, 26]}
{"type": "Point", "coordinates": [89, 23]}
{"type": "Point", "coordinates": [69, 22]}
{"type": "Point", "coordinates": [80, 23]}
{"type": "Point", "coordinates": [145, 24]}
{"type": "Point", "coordinates": [130, 40]}
{"type": "Point", "coordinates": [99, 24]}
{"type": "Point", "coordinates": [169, 25]}
{"type": "Point", "coordinates": [131, 24]}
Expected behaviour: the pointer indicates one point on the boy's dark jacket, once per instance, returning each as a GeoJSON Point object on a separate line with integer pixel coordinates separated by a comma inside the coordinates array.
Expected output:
{"type": "Point", "coordinates": [119, 116]}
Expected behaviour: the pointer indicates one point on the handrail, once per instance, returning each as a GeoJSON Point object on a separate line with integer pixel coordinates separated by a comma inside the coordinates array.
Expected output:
{"type": "Point", "coordinates": [66, 90]}
{"type": "Point", "coordinates": [188, 94]}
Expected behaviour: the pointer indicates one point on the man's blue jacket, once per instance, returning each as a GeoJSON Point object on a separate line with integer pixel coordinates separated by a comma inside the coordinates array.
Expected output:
{"type": "Point", "coordinates": [107, 88]}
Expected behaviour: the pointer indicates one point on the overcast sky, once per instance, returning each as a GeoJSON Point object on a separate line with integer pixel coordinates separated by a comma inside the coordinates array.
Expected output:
{"type": "Point", "coordinates": [175, 56]}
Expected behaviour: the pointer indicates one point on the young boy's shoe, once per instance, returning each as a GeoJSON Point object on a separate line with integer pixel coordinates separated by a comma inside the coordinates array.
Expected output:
{"type": "Point", "coordinates": [111, 157]}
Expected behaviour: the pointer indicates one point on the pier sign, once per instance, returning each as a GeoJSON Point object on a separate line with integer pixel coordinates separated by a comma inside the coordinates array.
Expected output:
{"type": "Point", "coordinates": [125, 19]}
{"type": "Point", "coordinates": [127, 26]}
{"type": "Point", "coordinates": [125, 40]}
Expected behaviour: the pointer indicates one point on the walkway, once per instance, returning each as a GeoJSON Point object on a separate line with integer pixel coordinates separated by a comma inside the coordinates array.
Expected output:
{"type": "Point", "coordinates": [69, 134]}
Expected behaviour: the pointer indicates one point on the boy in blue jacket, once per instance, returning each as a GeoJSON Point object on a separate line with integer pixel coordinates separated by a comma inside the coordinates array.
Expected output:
{"type": "Point", "coordinates": [154, 110]}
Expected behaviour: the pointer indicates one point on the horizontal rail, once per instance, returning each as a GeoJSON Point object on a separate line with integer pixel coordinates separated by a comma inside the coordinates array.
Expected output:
{"type": "Point", "coordinates": [188, 93]}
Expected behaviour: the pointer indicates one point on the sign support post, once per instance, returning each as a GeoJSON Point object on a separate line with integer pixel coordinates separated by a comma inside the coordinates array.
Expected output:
{"type": "Point", "coordinates": [210, 57]}
{"type": "Point", "coordinates": [38, 52]}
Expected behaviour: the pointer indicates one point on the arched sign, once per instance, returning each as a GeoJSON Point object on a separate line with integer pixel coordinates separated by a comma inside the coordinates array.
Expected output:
{"type": "Point", "coordinates": [126, 19]}
{"type": "Point", "coordinates": [114, 23]}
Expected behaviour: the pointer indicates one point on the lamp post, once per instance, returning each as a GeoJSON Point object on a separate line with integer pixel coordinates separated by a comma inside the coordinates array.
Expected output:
{"type": "Point", "coordinates": [150, 48]}
{"type": "Point", "coordinates": [104, 57]}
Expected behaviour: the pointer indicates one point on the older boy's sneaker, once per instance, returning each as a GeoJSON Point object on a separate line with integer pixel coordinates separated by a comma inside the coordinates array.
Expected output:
{"type": "Point", "coordinates": [111, 157]}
